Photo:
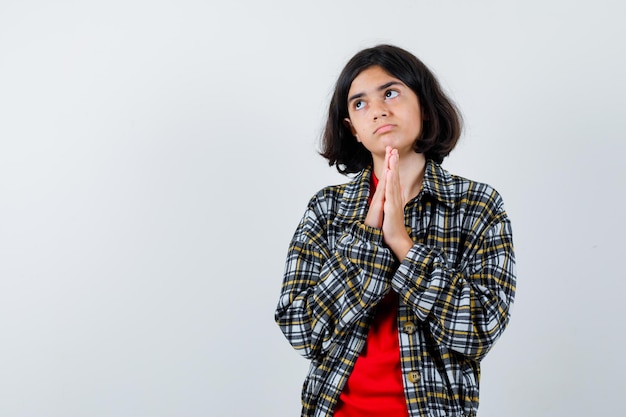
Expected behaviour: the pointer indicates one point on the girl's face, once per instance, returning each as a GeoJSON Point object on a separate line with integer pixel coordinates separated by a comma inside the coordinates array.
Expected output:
{"type": "Point", "coordinates": [383, 111]}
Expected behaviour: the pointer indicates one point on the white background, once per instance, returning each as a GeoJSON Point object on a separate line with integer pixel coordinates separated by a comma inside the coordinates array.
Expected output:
{"type": "Point", "coordinates": [156, 156]}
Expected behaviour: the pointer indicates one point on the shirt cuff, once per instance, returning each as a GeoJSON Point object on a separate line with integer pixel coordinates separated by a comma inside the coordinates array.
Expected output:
{"type": "Point", "coordinates": [367, 233]}
{"type": "Point", "coordinates": [417, 268]}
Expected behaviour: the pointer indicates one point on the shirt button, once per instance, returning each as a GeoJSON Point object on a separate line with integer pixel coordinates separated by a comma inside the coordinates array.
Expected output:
{"type": "Point", "coordinates": [414, 376]}
{"type": "Point", "coordinates": [408, 327]}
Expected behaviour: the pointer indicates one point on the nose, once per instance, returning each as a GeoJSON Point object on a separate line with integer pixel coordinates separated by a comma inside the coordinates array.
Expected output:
{"type": "Point", "coordinates": [379, 109]}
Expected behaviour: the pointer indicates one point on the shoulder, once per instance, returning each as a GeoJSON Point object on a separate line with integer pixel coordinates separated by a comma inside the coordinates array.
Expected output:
{"type": "Point", "coordinates": [320, 212]}
{"type": "Point", "coordinates": [464, 195]}
{"type": "Point", "coordinates": [475, 192]}
{"type": "Point", "coordinates": [341, 198]}
{"type": "Point", "coordinates": [326, 199]}
{"type": "Point", "coordinates": [336, 205]}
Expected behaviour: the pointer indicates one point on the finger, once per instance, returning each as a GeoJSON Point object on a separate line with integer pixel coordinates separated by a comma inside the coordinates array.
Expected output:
{"type": "Point", "coordinates": [393, 160]}
{"type": "Point", "coordinates": [391, 156]}
{"type": "Point", "coordinates": [391, 189]}
{"type": "Point", "coordinates": [388, 151]}
{"type": "Point", "coordinates": [393, 167]}
{"type": "Point", "coordinates": [379, 194]}
{"type": "Point", "coordinates": [374, 217]}
{"type": "Point", "coordinates": [394, 188]}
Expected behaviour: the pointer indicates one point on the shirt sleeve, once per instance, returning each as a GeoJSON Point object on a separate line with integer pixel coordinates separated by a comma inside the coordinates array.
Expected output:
{"type": "Point", "coordinates": [328, 288]}
{"type": "Point", "coordinates": [466, 307]}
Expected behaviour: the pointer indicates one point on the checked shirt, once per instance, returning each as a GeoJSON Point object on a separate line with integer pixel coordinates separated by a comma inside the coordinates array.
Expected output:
{"type": "Point", "coordinates": [456, 287]}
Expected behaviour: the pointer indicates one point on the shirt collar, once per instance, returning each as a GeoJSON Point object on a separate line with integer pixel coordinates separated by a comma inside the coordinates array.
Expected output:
{"type": "Point", "coordinates": [437, 183]}
{"type": "Point", "coordinates": [354, 202]}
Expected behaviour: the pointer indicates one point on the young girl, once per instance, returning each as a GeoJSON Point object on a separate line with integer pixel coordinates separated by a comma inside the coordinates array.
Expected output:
{"type": "Point", "coordinates": [399, 282]}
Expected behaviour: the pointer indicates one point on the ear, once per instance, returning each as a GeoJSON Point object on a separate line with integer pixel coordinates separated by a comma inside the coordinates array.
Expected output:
{"type": "Point", "coordinates": [347, 123]}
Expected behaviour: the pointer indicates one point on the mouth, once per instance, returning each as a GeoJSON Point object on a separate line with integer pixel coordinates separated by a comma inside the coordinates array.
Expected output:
{"type": "Point", "coordinates": [384, 128]}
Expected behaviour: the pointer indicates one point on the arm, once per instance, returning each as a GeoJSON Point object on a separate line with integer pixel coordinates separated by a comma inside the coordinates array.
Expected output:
{"type": "Point", "coordinates": [466, 305]}
{"type": "Point", "coordinates": [327, 289]}
{"type": "Point", "coordinates": [466, 309]}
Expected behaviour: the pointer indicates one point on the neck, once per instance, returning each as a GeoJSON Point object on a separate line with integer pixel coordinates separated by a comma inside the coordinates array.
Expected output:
{"type": "Point", "coordinates": [412, 167]}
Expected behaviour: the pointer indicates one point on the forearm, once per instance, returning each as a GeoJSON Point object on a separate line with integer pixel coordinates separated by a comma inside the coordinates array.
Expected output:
{"type": "Point", "coordinates": [322, 299]}
{"type": "Point", "coordinates": [466, 308]}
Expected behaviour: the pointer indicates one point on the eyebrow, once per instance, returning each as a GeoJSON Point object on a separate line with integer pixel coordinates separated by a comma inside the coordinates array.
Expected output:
{"type": "Point", "coordinates": [382, 87]}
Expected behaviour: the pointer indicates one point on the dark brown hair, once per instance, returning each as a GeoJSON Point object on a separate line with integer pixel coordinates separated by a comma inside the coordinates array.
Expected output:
{"type": "Point", "coordinates": [441, 124]}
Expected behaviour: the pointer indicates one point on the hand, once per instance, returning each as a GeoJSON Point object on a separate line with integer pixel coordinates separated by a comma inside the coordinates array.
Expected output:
{"type": "Point", "coordinates": [395, 234]}
{"type": "Point", "coordinates": [375, 213]}
{"type": "Point", "coordinates": [386, 209]}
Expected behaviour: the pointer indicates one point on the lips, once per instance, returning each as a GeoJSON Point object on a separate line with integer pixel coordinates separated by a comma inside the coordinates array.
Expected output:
{"type": "Point", "coordinates": [384, 128]}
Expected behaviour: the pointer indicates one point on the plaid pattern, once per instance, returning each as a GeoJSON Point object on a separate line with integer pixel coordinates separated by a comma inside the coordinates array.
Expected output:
{"type": "Point", "coordinates": [456, 287]}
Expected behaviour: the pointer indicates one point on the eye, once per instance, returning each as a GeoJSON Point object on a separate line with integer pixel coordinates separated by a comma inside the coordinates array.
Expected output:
{"type": "Point", "coordinates": [359, 104]}
{"type": "Point", "coordinates": [391, 93]}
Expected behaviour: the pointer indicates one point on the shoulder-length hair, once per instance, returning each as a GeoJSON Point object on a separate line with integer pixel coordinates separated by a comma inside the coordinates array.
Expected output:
{"type": "Point", "coordinates": [441, 120]}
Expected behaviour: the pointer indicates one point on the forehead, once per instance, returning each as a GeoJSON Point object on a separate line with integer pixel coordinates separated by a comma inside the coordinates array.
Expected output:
{"type": "Point", "coordinates": [371, 79]}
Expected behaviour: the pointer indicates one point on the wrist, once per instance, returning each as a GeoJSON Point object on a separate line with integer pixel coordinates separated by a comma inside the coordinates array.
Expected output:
{"type": "Point", "coordinates": [401, 247]}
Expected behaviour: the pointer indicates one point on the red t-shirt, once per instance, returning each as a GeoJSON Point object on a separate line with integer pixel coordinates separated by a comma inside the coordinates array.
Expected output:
{"type": "Point", "coordinates": [375, 388]}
